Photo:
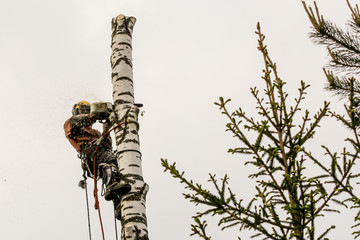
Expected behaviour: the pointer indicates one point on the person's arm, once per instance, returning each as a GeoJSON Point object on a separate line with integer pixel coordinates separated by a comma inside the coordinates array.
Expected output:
{"type": "Point", "coordinates": [78, 122]}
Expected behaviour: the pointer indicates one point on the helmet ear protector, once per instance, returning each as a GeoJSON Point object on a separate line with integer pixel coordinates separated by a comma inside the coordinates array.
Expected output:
{"type": "Point", "coordinates": [82, 107]}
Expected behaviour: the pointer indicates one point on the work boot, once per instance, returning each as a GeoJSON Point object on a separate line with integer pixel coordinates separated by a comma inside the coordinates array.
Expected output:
{"type": "Point", "coordinates": [111, 180]}
{"type": "Point", "coordinates": [116, 189]}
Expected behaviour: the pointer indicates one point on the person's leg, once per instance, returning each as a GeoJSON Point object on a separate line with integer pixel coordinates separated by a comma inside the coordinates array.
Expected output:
{"type": "Point", "coordinates": [109, 173]}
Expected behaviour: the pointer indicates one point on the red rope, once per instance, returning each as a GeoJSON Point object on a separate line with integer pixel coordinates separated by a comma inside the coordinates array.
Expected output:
{"type": "Point", "coordinates": [114, 128]}
{"type": "Point", "coordinates": [97, 203]}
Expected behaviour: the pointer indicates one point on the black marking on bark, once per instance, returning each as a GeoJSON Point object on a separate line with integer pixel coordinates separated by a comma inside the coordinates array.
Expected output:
{"type": "Point", "coordinates": [120, 29]}
{"type": "Point", "coordinates": [126, 27]}
{"type": "Point", "coordinates": [131, 179]}
{"type": "Point", "coordinates": [144, 190]}
{"type": "Point", "coordinates": [125, 117]}
{"type": "Point", "coordinates": [124, 179]}
{"type": "Point", "coordinates": [131, 140]}
{"type": "Point", "coordinates": [137, 232]}
{"type": "Point", "coordinates": [120, 132]}
{"type": "Point", "coordinates": [137, 219]}
{"type": "Point", "coordinates": [129, 207]}
{"type": "Point", "coordinates": [134, 165]}
{"type": "Point", "coordinates": [125, 43]}
{"type": "Point", "coordinates": [120, 139]}
{"type": "Point", "coordinates": [135, 176]}
{"type": "Point", "coordinates": [116, 52]}
{"type": "Point", "coordinates": [131, 197]}
{"type": "Point", "coordinates": [120, 101]}
{"type": "Point", "coordinates": [119, 32]}
{"type": "Point", "coordinates": [125, 59]}
{"type": "Point", "coordinates": [119, 51]}
{"type": "Point", "coordinates": [131, 150]}
{"type": "Point", "coordinates": [136, 123]}
{"type": "Point", "coordinates": [126, 94]}
{"type": "Point", "coordinates": [121, 127]}
{"type": "Point", "coordinates": [123, 79]}
{"type": "Point", "coordinates": [114, 74]}
{"type": "Point", "coordinates": [133, 214]}
{"type": "Point", "coordinates": [113, 46]}
{"type": "Point", "coordinates": [139, 195]}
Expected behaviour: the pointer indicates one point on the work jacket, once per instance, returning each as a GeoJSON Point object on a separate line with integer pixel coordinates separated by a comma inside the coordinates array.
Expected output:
{"type": "Point", "coordinates": [84, 132]}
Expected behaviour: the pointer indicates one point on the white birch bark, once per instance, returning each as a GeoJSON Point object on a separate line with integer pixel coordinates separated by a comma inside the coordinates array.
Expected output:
{"type": "Point", "coordinates": [133, 220]}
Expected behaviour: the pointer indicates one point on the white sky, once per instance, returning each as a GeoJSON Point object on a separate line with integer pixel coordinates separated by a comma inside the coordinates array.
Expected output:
{"type": "Point", "coordinates": [186, 54]}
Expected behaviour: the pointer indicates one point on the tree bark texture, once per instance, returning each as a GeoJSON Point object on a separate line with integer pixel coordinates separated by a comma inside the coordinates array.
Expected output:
{"type": "Point", "coordinates": [133, 220]}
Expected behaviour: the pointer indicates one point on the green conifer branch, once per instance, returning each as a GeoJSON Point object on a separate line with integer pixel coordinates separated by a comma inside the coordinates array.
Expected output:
{"type": "Point", "coordinates": [287, 201]}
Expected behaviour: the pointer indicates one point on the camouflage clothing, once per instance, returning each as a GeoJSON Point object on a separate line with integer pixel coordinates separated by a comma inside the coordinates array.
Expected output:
{"type": "Point", "coordinates": [79, 132]}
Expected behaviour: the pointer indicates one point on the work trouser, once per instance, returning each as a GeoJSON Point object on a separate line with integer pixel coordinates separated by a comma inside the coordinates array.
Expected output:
{"type": "Point", "coordinates": [103, 156]}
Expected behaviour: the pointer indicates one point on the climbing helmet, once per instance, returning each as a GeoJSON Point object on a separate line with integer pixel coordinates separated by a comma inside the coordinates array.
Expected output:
{"type": "Point", "coordinates": [82, 107]}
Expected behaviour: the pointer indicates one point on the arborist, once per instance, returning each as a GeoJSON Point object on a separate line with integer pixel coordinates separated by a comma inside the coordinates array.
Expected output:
{"type": "Point", "coordinates": [90, 144]}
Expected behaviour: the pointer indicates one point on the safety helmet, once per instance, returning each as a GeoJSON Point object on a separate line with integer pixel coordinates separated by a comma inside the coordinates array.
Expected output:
{"type": "Point", "coordinates": [82, 107]}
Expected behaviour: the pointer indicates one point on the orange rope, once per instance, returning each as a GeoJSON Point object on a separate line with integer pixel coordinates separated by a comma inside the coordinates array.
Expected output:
{"type": "Point", "coordinates": [97, 205]}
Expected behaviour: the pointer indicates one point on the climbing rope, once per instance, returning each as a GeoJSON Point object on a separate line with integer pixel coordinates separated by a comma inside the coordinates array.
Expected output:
{"type": "Point", "coordinates": [97, 205]}
{"type": "Point", "coordinates": [83, 184]}
{"type": "Point", "coordinates": [116, 233]}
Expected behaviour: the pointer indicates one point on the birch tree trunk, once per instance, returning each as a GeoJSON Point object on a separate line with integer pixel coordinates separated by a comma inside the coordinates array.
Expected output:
{"type": "Point", "coordinates": [133, 220]}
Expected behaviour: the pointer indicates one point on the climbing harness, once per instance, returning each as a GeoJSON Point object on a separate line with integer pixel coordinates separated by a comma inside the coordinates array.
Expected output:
{"type": "Point", "coordinates": [94, 175]}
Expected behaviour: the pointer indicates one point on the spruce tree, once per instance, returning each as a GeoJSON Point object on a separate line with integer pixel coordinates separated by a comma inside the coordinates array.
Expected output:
{"type": "Point", "coordinates": [343, 47]}
{"type": "Point", "coordinates": [342, 74]}
{"type": "Point", "coordinates": [289, 201]}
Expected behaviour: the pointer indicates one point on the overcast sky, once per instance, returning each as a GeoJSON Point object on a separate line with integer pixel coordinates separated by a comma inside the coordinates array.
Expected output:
{"type": "Point", "coordinates": [186, 54]}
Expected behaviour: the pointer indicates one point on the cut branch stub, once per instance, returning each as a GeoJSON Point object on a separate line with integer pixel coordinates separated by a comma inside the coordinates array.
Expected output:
{"type": "Point", "coordinates": [123, 25]}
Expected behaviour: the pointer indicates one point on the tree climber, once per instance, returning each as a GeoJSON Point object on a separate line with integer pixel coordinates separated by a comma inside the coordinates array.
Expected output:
{"type": "Point", "coordinates": [87, 141]}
